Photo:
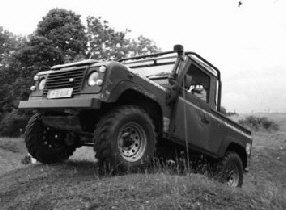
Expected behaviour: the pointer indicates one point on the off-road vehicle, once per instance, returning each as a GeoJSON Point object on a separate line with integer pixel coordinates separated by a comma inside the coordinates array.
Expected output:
{"type": "Point", "coordinates": [134, 109]}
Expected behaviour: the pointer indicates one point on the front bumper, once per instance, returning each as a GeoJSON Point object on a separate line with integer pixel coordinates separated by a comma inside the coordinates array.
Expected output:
{"type": "Point", "coordinates": [61, 103]}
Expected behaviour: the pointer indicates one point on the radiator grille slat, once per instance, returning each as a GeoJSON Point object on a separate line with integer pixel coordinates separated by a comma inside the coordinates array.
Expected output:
{"type": "Point", "coordinates": [65, 79]}
{"type": "Point", "coordinates": [62, 75]}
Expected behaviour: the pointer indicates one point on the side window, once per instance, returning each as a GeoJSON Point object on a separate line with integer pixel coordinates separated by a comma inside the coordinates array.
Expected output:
{"type": "Point", "coordinates": [197, 83]}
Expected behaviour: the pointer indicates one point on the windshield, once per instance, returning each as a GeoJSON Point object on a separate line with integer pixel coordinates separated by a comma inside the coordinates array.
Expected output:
{"type": "Point", "coordinates": [153, 67]}
{"type": "Point", "coordinates": [163, 70]}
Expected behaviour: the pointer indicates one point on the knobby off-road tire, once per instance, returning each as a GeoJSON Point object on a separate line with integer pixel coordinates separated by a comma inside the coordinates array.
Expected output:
{"type": "Point", "coordinates": [125, 139]}
{"type": "Point", "coordinates": [231, 170]}
{"type": "Point", "coordinates": [44, 144]}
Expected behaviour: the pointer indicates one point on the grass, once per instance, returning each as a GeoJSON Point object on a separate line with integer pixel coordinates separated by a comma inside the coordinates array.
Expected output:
{"type": "Point", "coordinates": [258, 123]}
{"type": "Point", "coordinates": [9, 145]}
{"type": "Point", "coordinates": [12, 151]}
{"type": "Point", "coordinates": [75, 184]}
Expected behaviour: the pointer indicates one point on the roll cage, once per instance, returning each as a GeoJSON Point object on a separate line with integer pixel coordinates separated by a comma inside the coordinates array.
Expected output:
{"type": "Point", "coordinates": [152, 60]}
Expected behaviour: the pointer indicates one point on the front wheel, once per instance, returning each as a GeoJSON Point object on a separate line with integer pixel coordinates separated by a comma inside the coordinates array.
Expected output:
{"type": "Point", "coordinates": [46, 144]}
{"type": "Point", "coordinates": [125, 139]}
{"type": "Point", "coordinates": [231, 170]}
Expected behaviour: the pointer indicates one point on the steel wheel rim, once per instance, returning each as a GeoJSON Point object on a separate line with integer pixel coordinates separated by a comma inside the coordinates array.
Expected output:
{"type": "Point", "coordinates": [233, 177]}
{"type": "Point", "coordinates": [132, 141]}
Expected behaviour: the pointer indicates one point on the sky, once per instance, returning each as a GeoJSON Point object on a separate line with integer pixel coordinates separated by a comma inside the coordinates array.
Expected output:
{"type": "Point", "coordinates": [246, 43]}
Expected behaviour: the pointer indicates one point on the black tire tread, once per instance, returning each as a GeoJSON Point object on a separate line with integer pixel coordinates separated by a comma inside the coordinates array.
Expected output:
{"type": "Point", "coordinates": [231, 157]}
{"type": "Point", "coordinates": [102, 135]}
{"type": "Point", "coordinates": [37, 149]}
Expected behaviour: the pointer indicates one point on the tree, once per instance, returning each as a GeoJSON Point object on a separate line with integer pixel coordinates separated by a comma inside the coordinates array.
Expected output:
{"type": "Point", "coordinates": [10, 120]}
{"type": "Point", "coordinates": [9, 44]}
{"type": "Point", "coordinates": [105, 42]}
{"type": "Point", "coordinates": [142, 46]}
{"type": "Point", "coordinates": [39, 54]}
{"type": "Point", "coordinates": [65, 31]}
{"type": "Point", "coordinates": [59, 37]}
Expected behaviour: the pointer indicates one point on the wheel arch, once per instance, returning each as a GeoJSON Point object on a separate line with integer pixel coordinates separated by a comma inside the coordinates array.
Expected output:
{"type": "Point", "coordinates": [128, 95]}
{"type": "Point", "coordinates": [126, 85]}
{"type": "Point", "coordinates": [235, 147]}
{"type": "Point", "coordinates": [152, 107]}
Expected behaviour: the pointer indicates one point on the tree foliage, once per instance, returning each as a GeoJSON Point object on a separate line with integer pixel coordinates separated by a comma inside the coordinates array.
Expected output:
{"type": "Point", "coordinates": [65, 31]}
{"type": "Point", "coordinates": [39, 53]}
{"type": "Point", "coordinates": [142, 46]}
{"type": "Point", "coordinates": [9, 44]}
{"type": "Point", "coordinates": [105, 42]}
{"type": "Point", "coordinates": [59, 37]}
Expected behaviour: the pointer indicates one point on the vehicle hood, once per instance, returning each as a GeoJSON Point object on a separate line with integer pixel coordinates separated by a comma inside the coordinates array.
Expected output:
{"type": "Point", "coordinates": [80, 63]}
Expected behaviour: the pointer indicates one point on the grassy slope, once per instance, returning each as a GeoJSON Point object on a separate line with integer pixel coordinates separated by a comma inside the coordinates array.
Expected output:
{"type": "Point", "coordinates": [76, 184]}
{"type": "Point", "coordinates": [11, 153]}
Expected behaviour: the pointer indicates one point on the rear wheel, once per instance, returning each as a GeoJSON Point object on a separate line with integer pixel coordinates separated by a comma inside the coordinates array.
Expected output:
{"type": "Point", "coordinates": [46, 144]}
{"type": "Point", "coordinates": [231, 170]}
{"type": "Point", "coordinates": [125, 139]}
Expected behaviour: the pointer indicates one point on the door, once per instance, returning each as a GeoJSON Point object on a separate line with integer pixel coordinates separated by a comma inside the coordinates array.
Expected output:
{"type": "Point", "coordinates": [189, 119]}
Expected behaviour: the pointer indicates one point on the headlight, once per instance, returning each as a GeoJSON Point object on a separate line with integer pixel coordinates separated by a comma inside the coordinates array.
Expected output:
{"type": "Point", "coordinates": [42, 84]}
{"type": "Point", "coordinates": [36, 77]}
{"type": "Point", "coordinates": [93, 79]}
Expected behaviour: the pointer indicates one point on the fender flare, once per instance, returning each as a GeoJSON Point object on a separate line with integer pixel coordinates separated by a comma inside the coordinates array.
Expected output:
{"type": "Point", "coordinates": [230, 141]}
{"type": "Point", "coordinates": [127, 85]}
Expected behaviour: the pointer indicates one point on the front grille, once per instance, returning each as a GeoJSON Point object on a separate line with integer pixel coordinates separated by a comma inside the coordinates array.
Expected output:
{"type": "Point", "coordinates": [65, 79]}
